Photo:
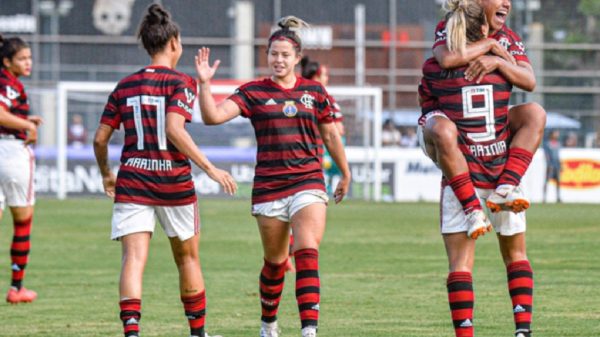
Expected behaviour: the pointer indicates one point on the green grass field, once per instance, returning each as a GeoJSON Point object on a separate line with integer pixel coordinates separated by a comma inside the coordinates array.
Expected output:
{"type": "Point", "coordinates": [383, 270]}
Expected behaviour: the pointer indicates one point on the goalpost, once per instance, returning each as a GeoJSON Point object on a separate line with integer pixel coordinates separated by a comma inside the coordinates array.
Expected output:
{"type": "Point", "coordinates": [361, 107]}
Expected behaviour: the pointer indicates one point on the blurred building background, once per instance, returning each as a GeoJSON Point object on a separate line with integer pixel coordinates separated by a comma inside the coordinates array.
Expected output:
{"type": "Point", "coordinates": [94, 40]}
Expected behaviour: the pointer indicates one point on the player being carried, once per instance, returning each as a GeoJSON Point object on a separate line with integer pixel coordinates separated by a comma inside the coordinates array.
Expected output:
{"type": "Point", "coordinates": [502, 51]}
{"type": "Point", "coordinates": [448, 94]}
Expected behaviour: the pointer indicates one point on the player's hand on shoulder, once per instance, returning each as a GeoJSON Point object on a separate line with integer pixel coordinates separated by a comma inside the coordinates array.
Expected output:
{"type": "Point", "coordinates": [224, 179]}
{"type": "Point", "coordinates": [480, 67]}
{"type": "Point", "coordinates": [109, 183]}
{"type": "Point", "coordinates": [498, 50]}
{"type": "Point", "coordinates": [341, 189]}
{"type": "Point", "coordinates": [203, 69]}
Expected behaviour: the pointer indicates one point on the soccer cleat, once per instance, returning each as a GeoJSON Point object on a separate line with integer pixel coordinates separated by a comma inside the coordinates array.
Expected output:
{"type": "Point", "coordinates": [523, 333]}
{"type": "Point", "coordinates": [22, 295]}
{"type": "Point", "coordinates": [478, 224]}
{"type": "Point", "coordinates": [269, 329]}
{"type": "Point", "coordinates": [309, 331]}
{"type": "Point", "coordinates": [507, 198]}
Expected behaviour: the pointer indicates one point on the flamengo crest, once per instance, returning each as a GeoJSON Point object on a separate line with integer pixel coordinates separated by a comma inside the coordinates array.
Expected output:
{"type": "Point", "coordinates": [307, 100]}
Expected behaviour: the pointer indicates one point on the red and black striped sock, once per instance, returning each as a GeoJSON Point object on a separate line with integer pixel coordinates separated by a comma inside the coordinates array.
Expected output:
{"type": "Point", "coordinates": [520, 287]}
{"type": "Point", "coordinates": [195, 311]}
{"type": "Point", "coordinates": [463, 188]}
{"type": "Point", "coordinates": [131, 315]}
{"type": "Point", "coordinates": [19, 251]}
{"type": "Point", "coordinates": [271, 286]}
{"type": "Point", "coordinates": [308, 286]}
{"type": "Point", "coordinates": [461, 299]}
{"type": "Point", "coordinates": [517, 163]}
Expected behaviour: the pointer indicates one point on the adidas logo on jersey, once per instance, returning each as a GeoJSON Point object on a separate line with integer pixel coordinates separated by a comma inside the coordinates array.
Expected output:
{"type": "Point", "coordinates": [271, 102]}
{"type": "Point", "coordinates": [131, 321]}
{"type": "Point", "coordinates": [466, 324]}
{"type": "Point", "coordinates": [518, 308]}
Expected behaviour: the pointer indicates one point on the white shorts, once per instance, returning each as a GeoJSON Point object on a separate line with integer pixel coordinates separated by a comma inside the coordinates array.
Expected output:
{"type": "Point", "coordinates": [285, 208]}
{"type": "Point", "coordinates": [176, 221]}
{"type": "Point", "coordinates": [453, 220]}
{"type": "Point", "coordinates": [17, 166]}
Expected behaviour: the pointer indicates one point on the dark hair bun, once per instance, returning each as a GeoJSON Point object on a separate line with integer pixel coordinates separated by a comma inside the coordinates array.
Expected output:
{"type": "Point", "coordinates": [157, 15]}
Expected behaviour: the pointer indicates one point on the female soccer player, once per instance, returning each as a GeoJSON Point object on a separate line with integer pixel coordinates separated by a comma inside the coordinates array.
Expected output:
{"type": "Point", "coordinates": [17, 130]}
{"type": "Point", "coordinates": [484, 142]}
{"type": "Point", "coordinates": [526, 121]}
{"type": "Point", "coordinates": [291, 118]}
{"type": "Point", "coordinates": [154, 178]}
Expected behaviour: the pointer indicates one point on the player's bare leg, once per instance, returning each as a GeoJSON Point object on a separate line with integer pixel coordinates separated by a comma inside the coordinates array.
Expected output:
{"type": "Point", "coordinates": [135, 254]}
{"type": "Point", "coordinates": [274, 234]}
{"type": "Point", "coordinates": [19, 251]}
{"type": "Point", "coordinates": [520, 281]}
{"type": "Point", "coordinates": [191, 282]}
{"type": "Point", "coordinates": [461, 298]}
{"type": "Point", "coordinates": [308, 225]}
{"type": "Point", "coordinates": [440, 136]}
{"type": "Point", "coordinates": [527, 122]}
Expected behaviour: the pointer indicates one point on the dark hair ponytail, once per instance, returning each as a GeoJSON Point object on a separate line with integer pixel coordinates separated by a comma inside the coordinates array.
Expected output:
{"type": "Point", "coordinates": [9, 47]}
{"type": "Point", "coordinates": [309, 68]}
{"type": "Point", "coordinates": [287, 31]}
{"type": "Point", "coordinates": [156, 29]}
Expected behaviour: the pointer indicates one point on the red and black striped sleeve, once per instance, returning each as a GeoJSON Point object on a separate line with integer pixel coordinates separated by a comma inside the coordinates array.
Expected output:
{"type": "Point", "coordinates": [111, 115]}
{"type": "Point", "coordinates": [243, 99]}
{"type": "Point", "coordinates": [182, 100]}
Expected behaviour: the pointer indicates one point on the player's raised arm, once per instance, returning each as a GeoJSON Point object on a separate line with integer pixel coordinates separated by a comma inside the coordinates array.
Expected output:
{"type": "Point", "coordinates": [212, 114]}
{"type": "Point", "coordinates": [182, 140]}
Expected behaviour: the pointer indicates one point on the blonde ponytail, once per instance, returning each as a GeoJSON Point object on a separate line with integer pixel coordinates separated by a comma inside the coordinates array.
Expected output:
{"type": "Point", "coordinates": [464, 19]}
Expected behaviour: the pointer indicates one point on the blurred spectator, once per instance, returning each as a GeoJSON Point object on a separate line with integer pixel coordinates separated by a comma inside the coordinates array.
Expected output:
{"type": "Point", "coordinates": [409, 138]}
{"type": "Point", "coordinates": [551, 152]}
{"type": "Point", "coordinates": [77, 134]}
{"type": "Point", "coordinates": [390, 135]}
{"type": "Point", "coordinates": [571, 140]}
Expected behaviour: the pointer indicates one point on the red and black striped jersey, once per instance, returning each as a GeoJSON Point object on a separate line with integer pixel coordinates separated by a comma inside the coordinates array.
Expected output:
{"type": "Point", "coordinates": [480, 112]}
{"type": "Point", "coordinates": [510, 40]}
{"type": "Point", "coordinates": [285, 122]}
{"type": "Point", "coordinates": [14, 100]}
{"type": "Point", "coordinates": [152, 171]}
